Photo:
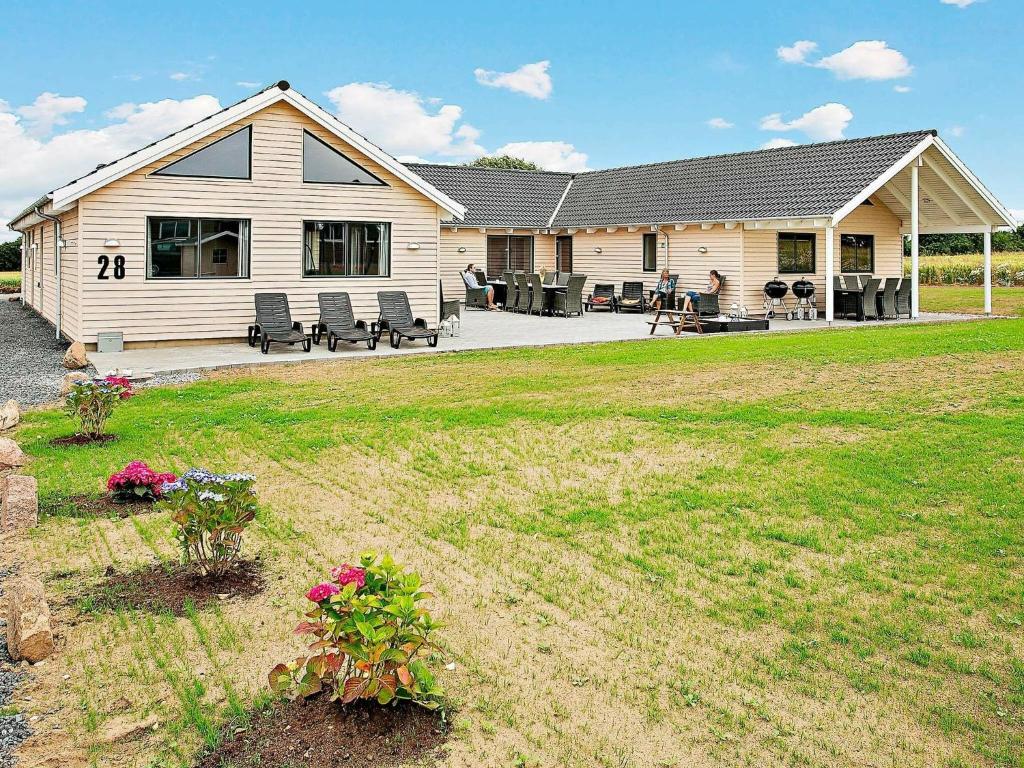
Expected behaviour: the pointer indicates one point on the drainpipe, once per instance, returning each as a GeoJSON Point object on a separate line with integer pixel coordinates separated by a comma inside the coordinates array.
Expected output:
{"type": "Point", "coordinates": [56, 259]}
{"type": "Point", "coordinates": [668, 244]}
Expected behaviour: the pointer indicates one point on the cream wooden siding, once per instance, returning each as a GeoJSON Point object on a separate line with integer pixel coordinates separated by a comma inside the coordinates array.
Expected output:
{"type": "Point", "coordinates": [761, 261]}
{"type": "Point", "coordinates": [475, 243]}
{"type": "Point", "coordinates": [40, 267]}
{"type": "Point", "coordinates": [276, 201]}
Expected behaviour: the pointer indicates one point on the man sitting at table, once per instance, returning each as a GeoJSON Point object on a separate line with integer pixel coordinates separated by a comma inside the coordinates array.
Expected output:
{"type": "Point", "coordinates": [469, 276]}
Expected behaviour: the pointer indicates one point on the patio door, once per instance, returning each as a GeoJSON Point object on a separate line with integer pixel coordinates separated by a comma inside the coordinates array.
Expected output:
{"type": "Point", "coordinates": [513, 252]}
{"type": "Point", "coordinates": [563, 253]}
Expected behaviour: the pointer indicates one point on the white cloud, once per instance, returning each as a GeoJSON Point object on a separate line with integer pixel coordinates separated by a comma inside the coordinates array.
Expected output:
{"type": "Point", "coordinates": [902, 88]}
{"type": "Point", "coordinates": [401, 123]}
{"type": "Point", "coordinates": [530, 79]}
{"type": "Point", "coordinates": [956, 131]}
{"type": "Point", "coordinates": [31, 165]}
{"type": "Point", "coordinates": [824, 123]}
{"type": "Point", "coordinates": [796, 53]}
{"type": "Point", "coordinates": [49, 110]}
{"type": "Point", "coordinates": [719, 122]}
{"type": "Point", "coordinates": [549, 155]}
{"type": "Point", "coordinates": [864, 60]}
{"type": "Point", "coordinates": [959, 3]}
{"type": "Point", "coordinates": [179, 76]}
{"type": "Point", "coordinates": [778, 143]}
{"type": "Point", "coordinates": [247, 84]}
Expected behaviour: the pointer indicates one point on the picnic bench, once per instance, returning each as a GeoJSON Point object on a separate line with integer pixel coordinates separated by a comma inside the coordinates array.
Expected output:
{"type": "Point", "coordinates": [677, 319]}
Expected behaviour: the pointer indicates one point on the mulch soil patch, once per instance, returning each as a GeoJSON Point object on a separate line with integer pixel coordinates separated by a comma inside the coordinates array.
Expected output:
{"type": "Point", "coordinates": [167, 588]}
{"type": "Point", "coordinates": [319, 733]}
{"type": "Point", "coordinates": [96, 506]}
{"type": "Point", "coordinates": [58, 442]}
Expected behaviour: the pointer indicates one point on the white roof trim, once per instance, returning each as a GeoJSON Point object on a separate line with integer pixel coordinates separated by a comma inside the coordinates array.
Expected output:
{"type": "Point", "coordinates": [69, 193]}
{"type": "Point", "coordinates": [881, 181]}
{"type": "Point", "coordinates": [975, 182]}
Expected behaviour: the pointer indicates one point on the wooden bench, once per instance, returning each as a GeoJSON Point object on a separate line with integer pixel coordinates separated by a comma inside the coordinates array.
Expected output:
{"type": "Point", "coordinates": [677, 320]}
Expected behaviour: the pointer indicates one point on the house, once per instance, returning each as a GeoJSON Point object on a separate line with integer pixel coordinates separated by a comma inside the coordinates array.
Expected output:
{"type": "Point", "coordinates": [169, 244]}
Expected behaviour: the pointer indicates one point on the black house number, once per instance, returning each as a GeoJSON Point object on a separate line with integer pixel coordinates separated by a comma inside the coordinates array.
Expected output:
{"type": "Point", "coordinates": [104, 262]}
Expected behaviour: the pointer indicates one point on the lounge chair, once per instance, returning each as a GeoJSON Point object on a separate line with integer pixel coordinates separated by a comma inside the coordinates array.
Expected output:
{"type": "Point", "coordinates": [604, 293]}
{"type": "Point", "coordinates": [396, 318]}
{"type": "Point", "coordinates": [633, 298]}
{"type": "Point", "coordinates": [523, 294]}
{"type": "Point", "coordinates": [903, 303]}
{"type": "Point", "coordinates": [475, 297]}
{"type": "Point", "coordinates": [707, 303]}
{"type": "Point", "coordinates": [871, 298]}
{"type": "Point", "coordinates": [889, 297]}
{"type": "Point", "coordinates": [337, 321]}
{"type": "Point", "coordinates": [570, 301]}
{"type": "Point", "coordinates": [274, 323]}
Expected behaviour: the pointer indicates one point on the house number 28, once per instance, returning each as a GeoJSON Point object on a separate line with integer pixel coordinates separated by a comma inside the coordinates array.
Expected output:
{"type": "Point", "coordinates": [104, 262]}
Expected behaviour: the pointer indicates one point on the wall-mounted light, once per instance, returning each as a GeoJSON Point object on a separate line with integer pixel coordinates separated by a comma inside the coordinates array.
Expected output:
{"type": "Point", "coordinates": [112, 242]}
{"type": "Point", "coordinates": [462, 249]}
{"type": "Point", "coordinates": [598, 250]}
{"type": "Point", "coordinates": [413, 246]}
{"type": "Point", "coordinates": [702, 249]}
{"type": "Point", "coordinates": [34, 246]}
{"type": "Point", "coordinates": [62, 243]}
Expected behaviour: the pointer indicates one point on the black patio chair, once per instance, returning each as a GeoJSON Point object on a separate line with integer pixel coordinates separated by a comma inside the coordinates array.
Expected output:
{"type": "Point", "coordinates": [852, 282]}
{"type": "Point", "coordinates": [562, 279]}
{"type": "Point", "coordinates": [338, 322]}
{"type": "Point", "coordinates": [633, 298]}
{"type": "Point", "coordinates": [871, 298]}
{"type": "Point", "coordinates": [570, 301]}
{"type": "Point", "coordinates": [274, 324]}
{"type": "Point", "coordinates": [536, 295]}
{"type": "Point", "coordinates": [396, 318]}
{"type": "Point", "coordinates": [523, 295]}
{"type": "Point", "coordinates": [549, 278]}
{"type": "Point", "coordinates": [707, 303]}
{"type": "Point", "coordinates": [481, 276]}
{"type": "Point", "coordinates": [475, 297]}
{"type": "Point", "coordinates": [889, 297]}
{"type": "Point", "coordinates": [605, 292]}
{"type": "Point", "coordinates": [449, 308]}
{"type": "Point", "coordinates": [903, 303]}
{"type": "Point", "coordinates": [510, 290]}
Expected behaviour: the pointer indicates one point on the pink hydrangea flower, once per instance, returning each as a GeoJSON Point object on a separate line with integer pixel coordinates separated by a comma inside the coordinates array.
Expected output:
{"type": "Point", "coordinates": [322, 591]}
{"type": "Point", "coordinates": [123, 382]}
{"type": "Point", "coordinates": [138, 474]}
{"type": "Point", "coordinates": [349, 574]}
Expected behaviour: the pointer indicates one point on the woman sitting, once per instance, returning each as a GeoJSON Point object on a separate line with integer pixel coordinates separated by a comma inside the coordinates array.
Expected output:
{"type": "Point", "coordinates": [469, 276]}
{"type": "Point", "coordinates": [666, 285]}
{"type": "Point", "coordinates": [714, 285]}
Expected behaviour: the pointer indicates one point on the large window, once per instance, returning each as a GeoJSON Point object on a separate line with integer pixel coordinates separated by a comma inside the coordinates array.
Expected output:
{"type": "Point", "coordinates": [650, 252]}
{"type": "Point", "coordinates": [198, 248]}
{"type": "Point", "coordinates": [796, 253]}
{"type": "Point", "coordinates": [324, 164]}
{"type": "Point", "coordinates": [346, 249]}
{"type": "Point", "coordinates": [227, 158]}
{"type": "Point", "coordinates": [858, 253]}
{"type": "Point", "coordinates": [513, 252]}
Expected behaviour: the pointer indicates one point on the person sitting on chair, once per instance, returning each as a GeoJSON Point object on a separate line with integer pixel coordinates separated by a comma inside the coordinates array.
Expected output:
{"type": "Point", "coordinates": [470, 277]}
{"type": "Point", "coordinates": [714, 284]}
{"type": "Point", "coordinates": [662, 290]}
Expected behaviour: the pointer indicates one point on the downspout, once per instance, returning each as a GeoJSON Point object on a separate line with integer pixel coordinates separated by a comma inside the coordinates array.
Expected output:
{"type": "Point", "coordinates": [668, 245]}
{"type": "Point", "coordinates": [56, 259]}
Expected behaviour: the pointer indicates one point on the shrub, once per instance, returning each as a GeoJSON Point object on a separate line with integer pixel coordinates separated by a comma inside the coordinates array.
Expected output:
{"type": "Point", "coordinates": [210, 512]}
{"type": "Point", "coordinates": [92, 402]}
{"type": "Point", "coordinates": [137, 482]}
{"type": "Point", "coordinates": [369, 636]}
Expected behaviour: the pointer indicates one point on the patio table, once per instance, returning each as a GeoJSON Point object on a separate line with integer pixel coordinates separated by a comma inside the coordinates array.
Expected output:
{"type": "Point", "coordinates": [500, 290]}
{"type": "Point", "coordinates": [849, 301]}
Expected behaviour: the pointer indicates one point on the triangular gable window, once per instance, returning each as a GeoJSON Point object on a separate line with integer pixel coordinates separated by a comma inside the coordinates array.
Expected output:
{"type": "Point", "coordinates": [324, 164]}
{"type": "Point", "coordinates": [227, 158]}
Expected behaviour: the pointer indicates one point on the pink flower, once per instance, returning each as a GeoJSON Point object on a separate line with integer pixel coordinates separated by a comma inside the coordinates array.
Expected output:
{"type": "Point", "coordinates": [322, 591]}
{"type": "Point", "coordinates": [349, 574]}
{"type": "Point", "coordinates": [123, 383]}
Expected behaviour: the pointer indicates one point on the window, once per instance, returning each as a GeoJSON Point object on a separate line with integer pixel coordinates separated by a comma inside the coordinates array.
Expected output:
{"type": "Point", "coordinates": [346, 249]}
{"type": "Point", "coordinates": [324, 164]}
{"type": "Point", "coordinates": [796, 253]}
{"type": "Point", "coordinates": [197, 248]}
{"type": "Point", "coordinates": [857, 253]}
{"type": "Point", "coordinates": [513, 252]}
{"type": "Point", "coordinates": [227, 158]}
{"type": "Point", "coordinates": [650, 252]}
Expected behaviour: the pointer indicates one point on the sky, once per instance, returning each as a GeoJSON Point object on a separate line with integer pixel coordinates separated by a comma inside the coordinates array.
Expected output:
{"type": "Point", "coordinates": [569, 85]}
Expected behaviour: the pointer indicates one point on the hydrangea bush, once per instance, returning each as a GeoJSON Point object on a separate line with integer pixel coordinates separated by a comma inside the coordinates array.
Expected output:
{"type": "Point", "coordinates": [370, 636]}
{"type": "Point", "coordinates": [210, 512]}
{"type": "Point", "coordinates": [92, 402]}
{"type": "Point", "coordinates": [137, 482]}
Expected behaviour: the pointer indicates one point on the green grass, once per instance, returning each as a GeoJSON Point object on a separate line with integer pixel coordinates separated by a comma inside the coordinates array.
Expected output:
{"type": "Point", "coordinates": [800, 549]}
{"type": "Point", "coordinates": [970, 299]}
{"type": "Point", "coordinates": [10, 280]}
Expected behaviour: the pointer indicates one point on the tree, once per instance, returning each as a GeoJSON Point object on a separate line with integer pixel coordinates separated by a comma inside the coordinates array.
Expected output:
{"type": "Point", "coordinates": [505, 161]}
{"type": "Point", "coordinates": [10, 256]}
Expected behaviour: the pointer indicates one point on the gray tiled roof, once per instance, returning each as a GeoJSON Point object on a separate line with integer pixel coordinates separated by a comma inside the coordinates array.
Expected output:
{"type": "Point", "coordinates": [799, 181]}
{"type": "Point", "coordinates": [498, 197]}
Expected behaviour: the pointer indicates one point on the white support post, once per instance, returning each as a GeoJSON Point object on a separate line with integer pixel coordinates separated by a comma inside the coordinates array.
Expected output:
{"type": "Point", "coordinates": [915, 239]}
{"type": "Point", "coordinates": [830, 269]}
{"type": "Point", "coordinates": [988, 270]}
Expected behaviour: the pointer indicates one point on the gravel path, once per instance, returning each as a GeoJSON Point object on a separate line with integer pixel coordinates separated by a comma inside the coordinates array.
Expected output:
{"type": "Point", "coordinates": [31, 369]}
{"type": "Point", "coordinates": [13, 728]}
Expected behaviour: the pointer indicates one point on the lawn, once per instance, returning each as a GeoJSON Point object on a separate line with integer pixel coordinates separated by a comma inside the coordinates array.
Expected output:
{"type": "Point", "coordinates": [970, 299]}
{"type": "Point", "coordinates": [804, 549]}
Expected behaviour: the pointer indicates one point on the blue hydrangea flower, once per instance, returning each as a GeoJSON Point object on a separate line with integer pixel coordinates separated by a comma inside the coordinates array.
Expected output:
{"type": "Point", "coordinates": [177, 485]}
{"type": "Point", "coordinates": [211, 496]}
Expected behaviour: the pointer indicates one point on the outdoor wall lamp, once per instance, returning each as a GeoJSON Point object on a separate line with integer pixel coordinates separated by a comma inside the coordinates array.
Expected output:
{"type": "Point", "coordinates": [413, 246]}
{"type": "Point", "coordinates": [462, 249]}
{"type": "Point", "coordinates": [598, 250]}
{"type": "Point", "coordinates": [702, 249]}
{"type": "Point", "coordinates": [112, 242]}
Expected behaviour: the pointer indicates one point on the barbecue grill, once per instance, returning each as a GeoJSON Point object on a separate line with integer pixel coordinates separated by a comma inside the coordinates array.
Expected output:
{"type": "Point", "coordinates": [806, 301]}
{"type": "Point", "coordinates": [774, 297]}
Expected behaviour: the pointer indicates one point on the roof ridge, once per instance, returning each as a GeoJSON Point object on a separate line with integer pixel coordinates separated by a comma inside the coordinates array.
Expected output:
{"type": "Point", "coordinates": [486, 168]}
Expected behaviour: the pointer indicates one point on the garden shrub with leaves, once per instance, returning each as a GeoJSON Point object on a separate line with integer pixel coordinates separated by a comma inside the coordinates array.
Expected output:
{"type": "Point", "coordinates": [210, 512]}
{"type": "Point", "coordinates": [137, 482]}
{"type": "Point", "coordinates": [370, 637]}
{"type": "Point", "coordinates": [92, 402]}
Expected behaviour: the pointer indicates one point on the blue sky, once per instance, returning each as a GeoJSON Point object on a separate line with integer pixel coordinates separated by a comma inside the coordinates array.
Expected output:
{"type": "Point", "coordinates": [571, 84]}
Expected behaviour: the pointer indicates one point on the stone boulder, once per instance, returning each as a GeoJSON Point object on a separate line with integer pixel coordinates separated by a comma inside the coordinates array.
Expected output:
{"type": "Point", "coordinates": [69, 380]}
{"type": "Point", "coordinates": [29, 634]}
{"type": "Point", "coordinates": [10, 415]}
{"type": "Point", "coordinates": [10, 454]}
{"type": "Point", "coordinates": [75, 357]}
{"type": "Point", "coordinates": [20, 505]}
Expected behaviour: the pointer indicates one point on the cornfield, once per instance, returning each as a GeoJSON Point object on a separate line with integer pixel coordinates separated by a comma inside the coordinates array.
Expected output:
{"type": "Point", "coordinates": [1007, 269]}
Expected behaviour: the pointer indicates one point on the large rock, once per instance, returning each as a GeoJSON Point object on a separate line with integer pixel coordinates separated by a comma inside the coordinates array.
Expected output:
{"type": "Point", "coordinates": [69, 380]}
{"type": "Point", "coordinates": [75, 357]}
{"type": "Point", "coordinates": [10, 415]}
{"type": "Point", "coordinates": [29, 634]}
{"type": "Point", "coordinates": [20, 506]}
{"type": "Point", "coordinates": [10, 454]}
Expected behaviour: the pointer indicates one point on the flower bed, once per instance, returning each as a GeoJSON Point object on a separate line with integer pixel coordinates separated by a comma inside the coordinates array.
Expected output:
{"type": "Point", "coordinates": [137, 482]}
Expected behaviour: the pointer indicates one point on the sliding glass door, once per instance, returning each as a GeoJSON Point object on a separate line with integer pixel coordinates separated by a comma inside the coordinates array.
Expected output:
{"type": "Point", "coordinates": [513, 252]}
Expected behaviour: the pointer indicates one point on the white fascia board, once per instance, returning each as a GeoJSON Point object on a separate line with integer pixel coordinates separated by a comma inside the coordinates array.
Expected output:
{"type": "Point", "coordinates": [882, 180]}
{"type": "Point", "coordinates": [975, 182]}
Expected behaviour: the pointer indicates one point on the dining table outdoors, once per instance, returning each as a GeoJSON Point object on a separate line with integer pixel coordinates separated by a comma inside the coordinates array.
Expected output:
{"type": "Point", "coordinates": [501, 294]}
